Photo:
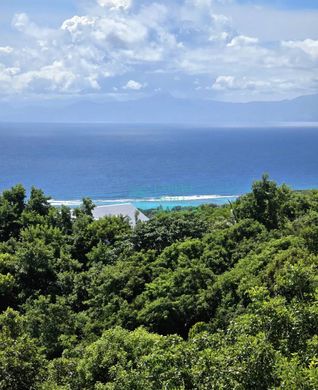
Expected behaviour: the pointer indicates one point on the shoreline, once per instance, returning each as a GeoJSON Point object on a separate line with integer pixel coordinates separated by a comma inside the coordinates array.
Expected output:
{"type": "Point", "coordinates": [147, 203]}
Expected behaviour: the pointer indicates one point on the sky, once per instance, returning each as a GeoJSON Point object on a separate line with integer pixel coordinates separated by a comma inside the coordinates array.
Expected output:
{"type": "Point", "coordinates": [225, 50]}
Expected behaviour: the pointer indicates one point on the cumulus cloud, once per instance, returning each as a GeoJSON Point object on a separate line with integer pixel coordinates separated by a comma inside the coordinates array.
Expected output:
{"type": "Point", "coordinates": [169, 43]}
{"type": "Point", "coordinates": [22, 23]}
{"type": "Point", "coordinates": [115, 4]}
{"type": "Point", "coordinates": [76, 24]}
{"type": "Point", "coordinates": [6, 50]}
{"type": "Point", "coordinates": [308, 46]}
{"type": "Point", "coordinates": [133, 85]}
{"type": "Point", "coordinates": [223, 83]}
{"type": "Point", "coordinates": [255, 88]}
{"type": "Point", "coordinates": [51, 78]}
{"type": "Point", "coordinates": [242, 40]}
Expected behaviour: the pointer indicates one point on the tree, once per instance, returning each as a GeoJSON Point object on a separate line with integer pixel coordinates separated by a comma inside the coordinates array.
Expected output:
{"type": "Point", "coordinates": [12, 204]}
{"type": "Point", "coordinates": [35, 267]}
{"type": "Point", "coordinates": [266, 204]}
{"type": "Point", "coordinates": [38, 202]}
{"type": "Point", "coordinates": [175, 300]}
{"type": "Point", "coordinates": [165, 229]}
{"type": "Point", "coordinates": [52, 323]}
{"type": "Point", "coordinates": [245, 363]}
{"type": "Point", "coordinates": [22, 362]}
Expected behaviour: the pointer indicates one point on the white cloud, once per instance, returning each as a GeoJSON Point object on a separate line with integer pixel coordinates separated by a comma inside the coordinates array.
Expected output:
{"type": "Point", "coordinates": [76, 23]}
{"type": "Point", "coordinates": [223, 83]}
{"type": "Point", "coordinates": [22, 23]}
{"type": "Point", "coordinates": [173, 42]}
{"type": "Point", "coordinates": [263, 89]}
{"type": "Point", "coordinates": [242, 40]}
{"type": "Point", "coordinates": [133, 85]}
{"type": "Point", "coordinates": [103, 31]}
{"type": "Point", "coordinates": [49, 78]}
{"type": "Point", "coordinates": [6, 50]}
{"type": "Point", "coordinates": [308, 46]}
{"type": "Point", "coordinates": [52, 78]}
{"type": "Point", "coordinates": [115, 4]}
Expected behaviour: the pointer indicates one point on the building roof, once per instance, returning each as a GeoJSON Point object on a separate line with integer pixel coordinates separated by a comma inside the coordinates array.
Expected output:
{"type": "Point", "coordinates": [125, 210]}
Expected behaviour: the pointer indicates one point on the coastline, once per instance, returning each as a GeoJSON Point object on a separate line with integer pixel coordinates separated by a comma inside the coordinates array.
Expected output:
{"type": "Point", "coordinates": [147, 203]}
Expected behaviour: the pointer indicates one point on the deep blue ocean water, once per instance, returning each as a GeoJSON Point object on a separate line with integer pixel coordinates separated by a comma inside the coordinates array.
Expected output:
{"type": "Point", "coordinates": [154, 165]}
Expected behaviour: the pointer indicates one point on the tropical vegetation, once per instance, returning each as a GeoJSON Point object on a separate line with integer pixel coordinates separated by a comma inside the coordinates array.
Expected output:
{"type": "Point", "coordinates": [204, 298]}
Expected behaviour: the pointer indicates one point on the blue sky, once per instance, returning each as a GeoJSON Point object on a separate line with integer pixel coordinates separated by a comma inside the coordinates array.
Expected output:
{"type": "Point", "coordinates": [287, 4]}
{"type": "Point", "coordinates": [228, 50]}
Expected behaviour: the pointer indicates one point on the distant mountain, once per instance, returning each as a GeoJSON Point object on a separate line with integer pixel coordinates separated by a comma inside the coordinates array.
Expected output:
{"type": "Point", "coordinates": [166, 109]}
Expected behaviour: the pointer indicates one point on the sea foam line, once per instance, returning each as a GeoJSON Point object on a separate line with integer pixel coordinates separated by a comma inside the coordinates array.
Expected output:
{"type": "Point", "coordinates": [179, 198]}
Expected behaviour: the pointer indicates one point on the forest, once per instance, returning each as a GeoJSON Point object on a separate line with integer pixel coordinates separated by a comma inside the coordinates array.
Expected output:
{"type": "Point", "coordinates": [213, 297]}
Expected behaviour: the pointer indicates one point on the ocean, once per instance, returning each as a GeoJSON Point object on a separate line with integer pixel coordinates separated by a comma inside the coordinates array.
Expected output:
{"type": "Point", "coordinates": [153, 166]}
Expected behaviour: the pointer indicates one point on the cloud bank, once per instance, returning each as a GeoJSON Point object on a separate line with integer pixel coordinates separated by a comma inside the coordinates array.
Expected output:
{"type": "Point", "coordinates": [188, 48]}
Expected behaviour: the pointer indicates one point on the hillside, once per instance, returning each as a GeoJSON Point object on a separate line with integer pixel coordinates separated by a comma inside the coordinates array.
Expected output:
{"type": "Point", "coordinates": [206, 298]}
{"type": "Point", "coordinates": [163, 108]}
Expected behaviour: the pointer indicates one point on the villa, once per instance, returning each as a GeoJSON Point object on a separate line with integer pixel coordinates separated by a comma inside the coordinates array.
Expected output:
{"type": "Point", "coordinates": [125, 210]}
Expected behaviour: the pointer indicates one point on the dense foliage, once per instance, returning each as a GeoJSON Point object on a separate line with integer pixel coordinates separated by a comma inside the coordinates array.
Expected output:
{"type": "Point", "coordinates": [205, 298]}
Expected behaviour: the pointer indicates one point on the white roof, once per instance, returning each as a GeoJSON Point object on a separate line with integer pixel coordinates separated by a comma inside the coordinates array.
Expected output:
{"type": "Point", "coordinates": [125, 210]}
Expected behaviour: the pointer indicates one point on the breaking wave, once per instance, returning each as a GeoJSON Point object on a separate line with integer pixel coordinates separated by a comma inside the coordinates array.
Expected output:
{"type": "Point", "coordinates": [161, 199]}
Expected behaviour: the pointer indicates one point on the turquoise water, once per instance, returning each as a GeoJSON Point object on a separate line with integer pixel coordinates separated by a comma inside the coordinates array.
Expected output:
{"type": "Point", "coordinates": [185, 203]}
{"type": "Point", "coordinates": [151, 165]}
